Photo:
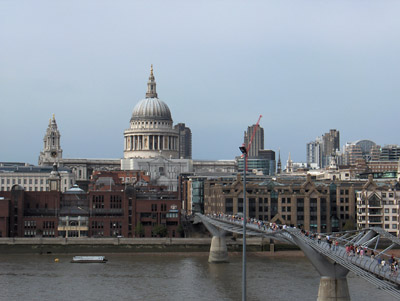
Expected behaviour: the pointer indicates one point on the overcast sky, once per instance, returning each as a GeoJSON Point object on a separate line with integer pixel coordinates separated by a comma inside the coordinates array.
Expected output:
{"type": "Point", "coordinates": [306, 66]}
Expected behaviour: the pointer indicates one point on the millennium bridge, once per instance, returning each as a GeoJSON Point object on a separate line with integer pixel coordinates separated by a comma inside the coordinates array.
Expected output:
{"type": "Point", "coordinates": [332, 262]}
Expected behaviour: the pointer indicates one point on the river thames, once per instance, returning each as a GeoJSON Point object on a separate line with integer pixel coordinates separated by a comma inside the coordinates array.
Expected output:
{"type": "Point", "coordinates": [166, 277]}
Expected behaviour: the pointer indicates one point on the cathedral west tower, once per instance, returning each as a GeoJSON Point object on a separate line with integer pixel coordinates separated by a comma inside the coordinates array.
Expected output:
{"type": "Point", "coordinates": [52, 151]}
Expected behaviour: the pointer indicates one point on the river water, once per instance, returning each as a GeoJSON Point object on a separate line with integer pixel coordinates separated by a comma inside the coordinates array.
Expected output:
{"type": "Point", "coordinates": [166, 277]}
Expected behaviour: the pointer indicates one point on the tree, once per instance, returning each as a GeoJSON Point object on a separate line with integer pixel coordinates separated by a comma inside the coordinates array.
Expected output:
{"type": "Point", "coordinates": [180, 230]}
{"type": "Point", "coordinates": [139, 230]}
{"type": "Point", "coordinates": [349, 225]}
{"type": "Point", "coordinates": [160, 230]}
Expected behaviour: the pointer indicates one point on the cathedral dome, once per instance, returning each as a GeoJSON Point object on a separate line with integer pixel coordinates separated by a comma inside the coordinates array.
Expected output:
{"type": "Point", "coordinates": [151, 109]}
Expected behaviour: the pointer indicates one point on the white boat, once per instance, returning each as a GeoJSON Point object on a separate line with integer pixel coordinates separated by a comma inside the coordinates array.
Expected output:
{"type": "Point", "coordinates": [89, 259]}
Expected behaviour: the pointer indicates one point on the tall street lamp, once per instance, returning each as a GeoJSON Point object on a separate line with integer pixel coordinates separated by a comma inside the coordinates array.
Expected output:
{"type": "Point", "coordinates": [244, 152]}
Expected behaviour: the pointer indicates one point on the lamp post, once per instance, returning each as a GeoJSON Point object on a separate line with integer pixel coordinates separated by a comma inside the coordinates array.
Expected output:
{"type": "Point", "coordinates": [244, 152]}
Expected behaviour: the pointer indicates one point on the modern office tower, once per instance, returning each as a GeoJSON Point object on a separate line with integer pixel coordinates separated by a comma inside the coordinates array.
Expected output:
{"type": "Point", "coordinates": [259, 159]}
{"type": "Point", "coordinates": [390, 153]}
{"type": "Point", "coordinates": [314, 153]}
{"type": "Point", "coordinates": [331, 144]}
{"type": "Point", "coordinates": [185, 141]}
{"type": "Point", "coordinates": [321, 151]}
{"type": "Point", "coordinates": [258, 140]}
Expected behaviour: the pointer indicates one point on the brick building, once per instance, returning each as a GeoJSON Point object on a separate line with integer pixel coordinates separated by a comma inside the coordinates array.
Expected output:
{"type": "Point", "coordinates": [116, 203]}
{"type": "Point", "coordinates": [321, 206]}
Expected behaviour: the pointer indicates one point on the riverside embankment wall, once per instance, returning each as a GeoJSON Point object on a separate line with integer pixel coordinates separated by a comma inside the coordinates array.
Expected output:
{"type": "Point", "coordinates": [127, 245]}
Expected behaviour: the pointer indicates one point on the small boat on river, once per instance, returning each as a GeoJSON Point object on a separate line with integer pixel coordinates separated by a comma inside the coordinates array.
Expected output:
{"type": "Point", "coordinates": [89, 259]}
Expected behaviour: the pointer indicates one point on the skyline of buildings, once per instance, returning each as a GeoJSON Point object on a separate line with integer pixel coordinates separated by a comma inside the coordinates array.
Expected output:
{"type": "Point", "coordinates": [152, 133]}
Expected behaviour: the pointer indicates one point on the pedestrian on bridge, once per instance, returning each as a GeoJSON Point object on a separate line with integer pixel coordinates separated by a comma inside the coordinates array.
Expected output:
{"type": "Point", "coordinates": [335, 245]}
{"type": "Point", "coordinates": [383, 263]}
{"type": "Point", "coordinates": [361, 252]}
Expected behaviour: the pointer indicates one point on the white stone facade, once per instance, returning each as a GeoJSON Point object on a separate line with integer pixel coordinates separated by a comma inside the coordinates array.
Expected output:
{"type": "Point", "coordinates": [162, 171]}
{"type": "Point", "coordinates": [33, 180]}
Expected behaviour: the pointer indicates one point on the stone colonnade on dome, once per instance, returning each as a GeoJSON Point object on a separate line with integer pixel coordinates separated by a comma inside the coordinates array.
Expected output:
{"type": "Point", "coordinates": [139, 142]}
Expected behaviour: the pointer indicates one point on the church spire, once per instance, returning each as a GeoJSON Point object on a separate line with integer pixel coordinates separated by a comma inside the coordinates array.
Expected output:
{"type": "Point", "coordinates": [151, 85]}
{"type": "Point", "coordinates": [279, 163]}
{"type": "Point", "coordinates": [289, 165]}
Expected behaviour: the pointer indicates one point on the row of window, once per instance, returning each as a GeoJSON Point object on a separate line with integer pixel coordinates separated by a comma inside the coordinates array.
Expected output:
{"type": "Point", "coordinates": [26, 188]}
{"type": "Point", "coordinates": [390, 195]}
{"type": "Point", "coordinates": [30, 224]}
{"type": "Point", "coordinates": [24, 181]}
{"type": "Point", "coordinates": [97, 225]}
{"type": "Point", "coordinates": [163, 207]}
{"type": "Point", "coordinates": [29, 233]}
{"type": "Point", "coordinates": [48, 233]}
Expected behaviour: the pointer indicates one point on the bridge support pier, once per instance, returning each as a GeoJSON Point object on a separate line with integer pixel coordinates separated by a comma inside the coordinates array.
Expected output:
{"type": "Point", "coordinates": [333, 283]}
{"type": "Point", "coordinates": [218, 250]}
{"type": "Point", "coordinates": [331, 289]}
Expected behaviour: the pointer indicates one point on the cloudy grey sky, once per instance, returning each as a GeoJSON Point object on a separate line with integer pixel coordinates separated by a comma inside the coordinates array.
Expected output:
{"type": "Point", "coordinates": [306, 66]}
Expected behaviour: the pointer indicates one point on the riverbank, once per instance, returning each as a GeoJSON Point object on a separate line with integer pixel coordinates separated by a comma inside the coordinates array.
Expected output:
{"type": "Point", "coordinates": [131, 245]}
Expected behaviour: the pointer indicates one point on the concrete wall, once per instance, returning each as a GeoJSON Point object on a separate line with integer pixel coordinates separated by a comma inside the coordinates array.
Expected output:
{"type": "Point", "coordinates": [120, 245]}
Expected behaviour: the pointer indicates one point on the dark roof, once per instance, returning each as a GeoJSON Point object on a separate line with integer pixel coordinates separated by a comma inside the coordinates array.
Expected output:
{"type": "Point", "coordinates": [30, 169]}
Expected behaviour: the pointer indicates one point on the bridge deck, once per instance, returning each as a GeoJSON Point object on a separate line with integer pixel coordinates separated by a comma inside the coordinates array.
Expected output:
{"type": "Point", "coordinates": [365, 267]}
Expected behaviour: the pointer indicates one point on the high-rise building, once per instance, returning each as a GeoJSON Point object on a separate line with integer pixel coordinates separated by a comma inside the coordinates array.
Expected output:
{"type": "Point", "coordinates": [314, 153]}
{"type": "Point", "coordinates": [185, 141]}
{"type": "Point", "coordinates": [259, 160]}
{"type": "Point", "coordinates": [258, 140]}
{"type": "Point", "coordinates": [331, 144]}
{"type": "Point", "coordinates": [321, 151]}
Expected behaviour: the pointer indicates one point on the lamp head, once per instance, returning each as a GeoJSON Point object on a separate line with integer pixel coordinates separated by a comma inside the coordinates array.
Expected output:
{"type": "Point", "coordinates": [243, 149]}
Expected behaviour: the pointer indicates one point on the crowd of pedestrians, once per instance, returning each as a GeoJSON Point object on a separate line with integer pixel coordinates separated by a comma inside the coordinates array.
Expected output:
{"type": "Point", "coordinates": [262, 225]}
